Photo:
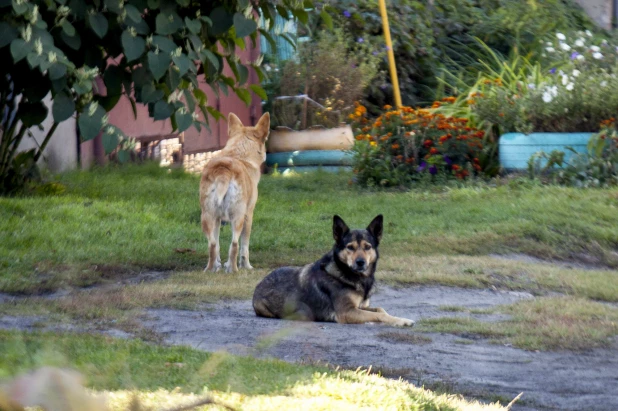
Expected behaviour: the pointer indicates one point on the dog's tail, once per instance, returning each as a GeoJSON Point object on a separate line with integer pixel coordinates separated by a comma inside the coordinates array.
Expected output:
{"type": "Point", "coordinates": [221, 184]}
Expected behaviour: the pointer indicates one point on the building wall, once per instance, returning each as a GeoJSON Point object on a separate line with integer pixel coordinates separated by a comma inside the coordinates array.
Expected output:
{"type": "Point", "coordinates": [600, 10]}
{"type": "Point", "coordinates": [61, 151]}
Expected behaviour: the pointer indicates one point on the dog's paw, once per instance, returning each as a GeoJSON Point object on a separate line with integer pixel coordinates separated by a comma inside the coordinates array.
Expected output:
{"type": "Point", "coordinates": [229, 267]}
{"type": "Point", "coordinates": [404, 322]}
{"type": "Point", "coordinates": [244, 263]}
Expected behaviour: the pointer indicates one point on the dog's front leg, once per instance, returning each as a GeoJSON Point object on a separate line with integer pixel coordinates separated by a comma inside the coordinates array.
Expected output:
{"type": "Point", "coordinates": [361, 316]}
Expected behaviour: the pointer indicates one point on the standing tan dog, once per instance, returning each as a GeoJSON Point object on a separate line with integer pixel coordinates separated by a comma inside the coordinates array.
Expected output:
{"type": "Point", "coordinates": [229, 190]}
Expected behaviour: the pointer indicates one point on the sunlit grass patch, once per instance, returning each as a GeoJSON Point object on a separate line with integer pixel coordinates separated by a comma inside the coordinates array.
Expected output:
{"type": "Point", "coordinates": [125, 369]}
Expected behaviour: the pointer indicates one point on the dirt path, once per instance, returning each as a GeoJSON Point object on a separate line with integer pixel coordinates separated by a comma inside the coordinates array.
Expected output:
{"type": "Point", "coordinates": [565, 380]}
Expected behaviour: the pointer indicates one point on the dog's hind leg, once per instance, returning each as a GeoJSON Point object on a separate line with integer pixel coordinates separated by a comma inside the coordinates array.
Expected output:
{"type": "Point", "coordinates": [244, 241]}
{"type": "Point", "coordinates": [211, 228]}
{"type": "Point", "coordinates": [232, 263]}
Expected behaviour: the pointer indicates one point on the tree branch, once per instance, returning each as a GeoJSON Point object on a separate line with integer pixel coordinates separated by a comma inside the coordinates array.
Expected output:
{"type": "Point", "coordinates": [44, 144]}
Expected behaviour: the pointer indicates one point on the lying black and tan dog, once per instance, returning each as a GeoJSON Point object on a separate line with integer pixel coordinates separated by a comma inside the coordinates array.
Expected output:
{"type": "Point", "coordinates": [335, 288]}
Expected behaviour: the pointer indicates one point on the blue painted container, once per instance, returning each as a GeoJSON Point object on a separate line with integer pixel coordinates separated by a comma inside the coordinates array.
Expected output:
{"type": "Point", "coordinates": [517, 148]}
{"type": "Point", "coordinates": [313, 169]}
{"type": "Point", "coordinates": [309, 158]}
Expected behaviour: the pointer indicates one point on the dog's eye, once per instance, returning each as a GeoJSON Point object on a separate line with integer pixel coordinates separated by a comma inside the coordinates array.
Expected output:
{"type": "Point", "coordinates": [350, 247]}
{"type": "Point", "coordinates": [367, 247]}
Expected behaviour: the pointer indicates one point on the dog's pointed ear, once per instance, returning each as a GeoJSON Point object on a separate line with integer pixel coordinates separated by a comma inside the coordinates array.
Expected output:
{"type": "Point", "coordinates": [375, 227]}
{"type": "Point", "coordinates": [233, 123]}
{"type": "Point", "coordinates": [263, 126]}
{"type": "Point", "coordinates": [340, 229]}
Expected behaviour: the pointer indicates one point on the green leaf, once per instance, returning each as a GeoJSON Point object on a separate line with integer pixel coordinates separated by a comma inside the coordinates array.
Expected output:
{"type": "Point", "coordinates": [99, 24]}
{"type": "Point", "coordinates": [257, 89]}
{"type": "Point", "coordinates": [243, 74]}
{"type": "Point", "coordinates": [301, 15]}
{"type": "Point", "coordinates": [75, 42]}
{"type": "Point", "coordinates": [162, 110]}
{"type": "Point", "coordinates": [190, 100]}
{"type": "Point", "coordinates": [20, 8]}
{"type": "Point", "coordinates": [133, 107]}
{"type": "Point", "coordinates": [67, 28]}
{"type": "Point", "coordinates": [221, 21]}
{"type": "Point", "coordinates": [243, 25]}
{"type": "Point", "coordinates": [168, 23]}
{"type": "Point", "coordinates": [327, 19]}
{"type": "Point", "coordinates": [158, 63]}
{"type": "Point", "coordinates": [216, 114]}
{"type": "Point", "coordinates": [90, 124]}
{"type": "Point", "coordinates": [183, 119]}
{"type": "Point", "coordinates": [172, 80]}
{"type": "Point", "coordinates": [7, 34]}
{"type": "Point", "coordinates": [109, 140]}
{"type": "Point", "coordinates": [32, 114]}
{"type": "Point", "coordinates": [206, 20]}
{"type": "Point", "coordinates": [124, 156]}
{"type": "Point", "coordinates": [133, 13]}
{"type": "Point", "coordinates": [200, 96]}
{"type": "Point", "coordinates": [183, 63]}
{"type": "Point", "coordinates": [150, 94]}
{"type": "Point", "coordinates": [56, 71]}
{"type": "Point", "coordinates": [244, 95]}
{"type": "Point", "coordinates": [183, 3]}
{"type": "Point", "coordinates": [211, 58]}
{"type": "Point", "coordinates": [108, 102]}
{"type": "Point", "coordinates": [269, 38]}
{"type": "Point", "coordinates": [133, 46]}
{"type": "Point", "coordinates": [164, 43]}
{"type": "Point", "coordinates": [154, 4]}
{"type": "Point", "coordinates": [260, 73]}
{"type": "Point", "coordinates": [194, 26]}
{"type": "Point", "coordinates": [20, 49]}
{"type": "Point", "coordinates": [114, 6]}
{"type": "Point", "coordinates": [34, 59]}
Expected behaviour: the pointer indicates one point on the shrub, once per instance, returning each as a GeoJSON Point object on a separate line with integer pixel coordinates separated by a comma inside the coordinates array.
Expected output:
{"type": "Point", "coordinates": [330, 74]}
{"type": "Point", "coordinates": [404, 145]}
{"type": "Point", "coordinates": [573, 93]}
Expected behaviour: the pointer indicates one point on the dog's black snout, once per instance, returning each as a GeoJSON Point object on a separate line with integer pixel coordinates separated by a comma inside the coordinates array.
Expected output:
{"type": "Point", "coordinates": [360, 263]}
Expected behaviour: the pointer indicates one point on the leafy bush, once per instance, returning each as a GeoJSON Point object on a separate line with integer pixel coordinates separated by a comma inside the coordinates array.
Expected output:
{"type": "Point", "coordinates": [575, 95]}
{"type": "Point", "coordinates": [429, 36]}
{"type": "Point", "coordinates": [403, 145]}
{"type": "Point", "coordinates": [331, 74]}
{"type": "Point", "coordinates": [598, 167]}
{"type": "Point", "coordinates": [151, 52]}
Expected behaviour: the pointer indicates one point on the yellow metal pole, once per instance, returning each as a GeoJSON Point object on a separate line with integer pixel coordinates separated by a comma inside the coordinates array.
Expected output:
{"type": "Point", "coordinates": [391, 55]}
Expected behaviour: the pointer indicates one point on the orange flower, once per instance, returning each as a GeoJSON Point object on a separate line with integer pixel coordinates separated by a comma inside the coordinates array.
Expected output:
{"type": "Point", "coordinates": [456, 167]}
{"type": "Point", "coordinates": [399, 157]}
{"type": "Point", "coordinates": [387, 107]}
{"type": "Point", "coordinates": [428, 143]}
{"type": "Point", "coordinates": [433, 150]}
{"type": "Point", "coordinates": [395, 146]}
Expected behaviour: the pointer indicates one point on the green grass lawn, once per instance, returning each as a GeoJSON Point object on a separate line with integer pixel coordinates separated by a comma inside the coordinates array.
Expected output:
{"type": "Point", "coordinates": [112, 221]}
{"type": "Point", "coordinates": [124, 369]}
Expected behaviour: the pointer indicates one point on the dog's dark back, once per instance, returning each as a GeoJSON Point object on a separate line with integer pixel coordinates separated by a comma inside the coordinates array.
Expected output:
{"type": "Point", "coordinates": [310, 292]}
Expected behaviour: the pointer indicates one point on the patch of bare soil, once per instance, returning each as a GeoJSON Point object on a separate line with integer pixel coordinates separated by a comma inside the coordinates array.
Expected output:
{"type": "Point", "coordinates": [549, 380]}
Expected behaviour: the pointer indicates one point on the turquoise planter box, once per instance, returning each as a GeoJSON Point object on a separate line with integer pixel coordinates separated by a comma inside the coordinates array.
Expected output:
{"type": "Point", "coordinates": [309, 158]}
{"type": "Point", "coordinates": [517, 148]}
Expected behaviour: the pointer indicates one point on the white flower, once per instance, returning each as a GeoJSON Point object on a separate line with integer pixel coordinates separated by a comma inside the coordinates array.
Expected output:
{"type": "Point", "coordinates": [547, 97]}
{"type": "Point", "coordinates": [565, 80]}
{"type": "Point", "coordinates": [597, 56]}
{"type": "Point", "coordinates": [553, 90]}
{"type": "Point", "coordinates": [531, 86]}
{"type": "Point", "coordinates": [576, 73]}
{"type": "Point", "coordinates": [580, 43]}
{"type": "Point", "coordinates": [588, 33]}
{"type": "Point", "coordinates": [549, 43]}
{"type": "Point", "coordinates": [603, 83]}
{"type": "Point", "coordinates": [595, 48]}
{"type": "Point", "coordinates": [580, 57]}
{"type": "Point", "coordinates": [565, 47]}
{"type": "Point", "coordinates": [570, 86]}
{"type": "Point", "coordinates": [604, 42]}
{"type": "Point", "coordinates": [550, 49]}
{"type": "Point", "coordinates": [560, 36]}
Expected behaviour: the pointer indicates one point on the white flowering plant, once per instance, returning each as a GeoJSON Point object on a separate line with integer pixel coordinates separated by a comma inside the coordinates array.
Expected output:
{"type": "Point", "coordinates": [570, 89]}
